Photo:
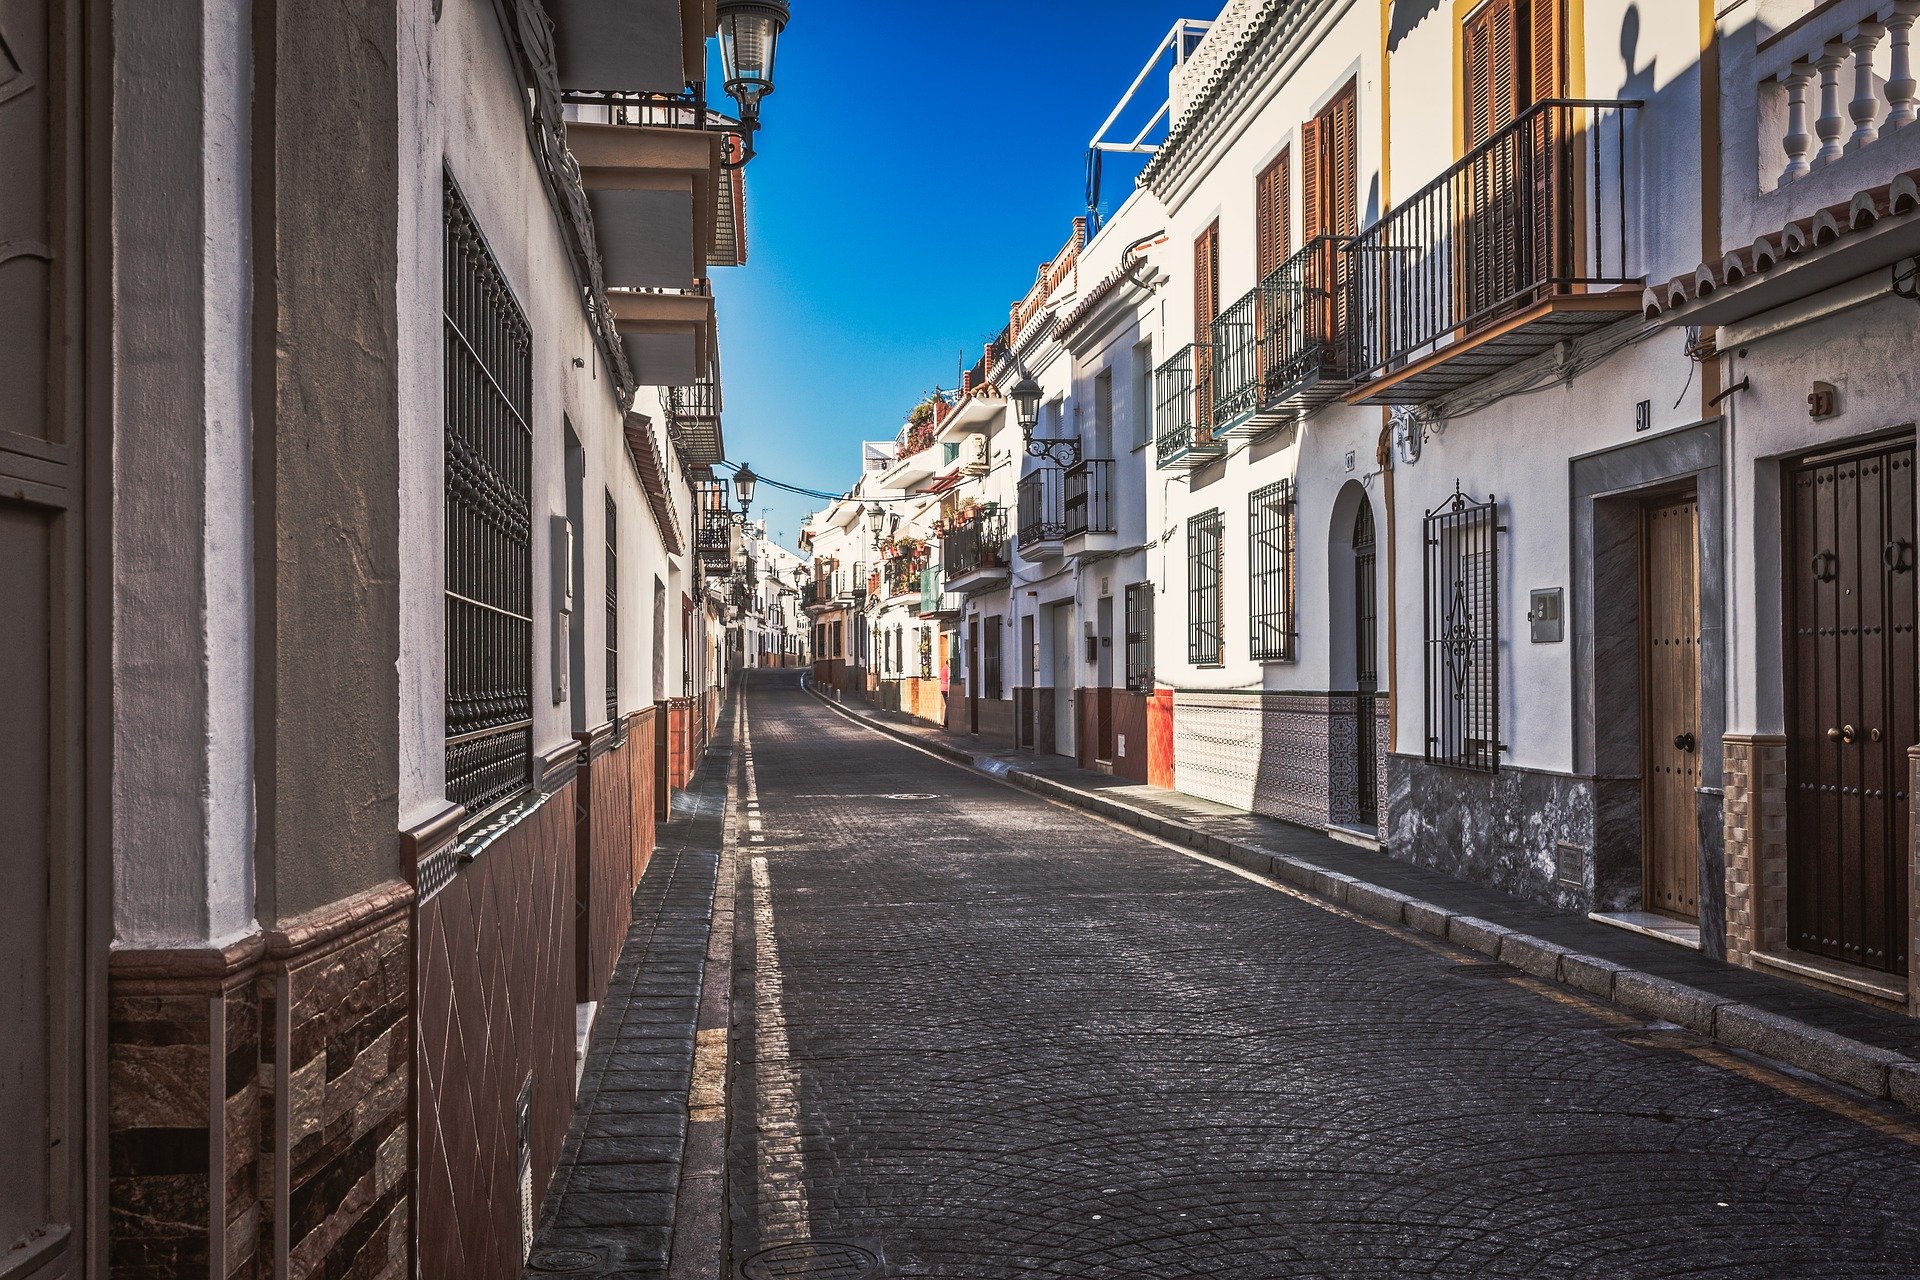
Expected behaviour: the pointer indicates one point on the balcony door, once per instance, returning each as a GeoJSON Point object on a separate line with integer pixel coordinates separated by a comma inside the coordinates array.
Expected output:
{"type": "Point", "coordinates": [1512, 56]}
{"type": "Point", "coordinates": [1206, 308]}
{"type": "Point", "coordinates": [1330, 205]}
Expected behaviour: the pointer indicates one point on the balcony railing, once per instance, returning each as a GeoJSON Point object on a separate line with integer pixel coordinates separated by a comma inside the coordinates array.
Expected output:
{"type": "Point", "coordinates": [1536, 212]}
{"type": "Point", "coordinates": [901, 575]}
{"type": "Point", "coordinates": [1305, 334]}
{"type": "Point", "coordinates": [980, 543]}
{"type": "Point", "coordinates": [1236, 360]}
{"type": "Point", "coordinates": [1181, 441]}
{"type": "Point", "coordinates": [1089, 504]}
{"type": "Point", "coordinates": [1043, 513]}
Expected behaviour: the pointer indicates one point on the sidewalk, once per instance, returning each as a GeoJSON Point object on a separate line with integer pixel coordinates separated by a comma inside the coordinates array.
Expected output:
{"type": "Point", "coordinates": [632, 1165]}
{"type": "Point", "coordinates": [1850, 1043]}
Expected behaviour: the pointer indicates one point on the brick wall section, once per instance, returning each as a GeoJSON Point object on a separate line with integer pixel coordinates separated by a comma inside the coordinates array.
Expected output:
{"type": "Point", "coordinates": [1756, 844]}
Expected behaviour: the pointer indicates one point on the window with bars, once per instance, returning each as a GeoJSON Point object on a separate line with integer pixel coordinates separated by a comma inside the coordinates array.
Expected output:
{"type": "Point", "coordinates": [1462, 632]}
{"type": "Point", "coordinates": [1271, 522]}
{"type": "Point", "coordinates": [613, 609]}
{"type": "Point", "coordinates": [1140, 637]}
{"type": "Point", "coordinates": [1205, 533]}
{"type": "Point", "coordinates": [992, 686]}
{"type": "Point", "coordinates": [489, 522]}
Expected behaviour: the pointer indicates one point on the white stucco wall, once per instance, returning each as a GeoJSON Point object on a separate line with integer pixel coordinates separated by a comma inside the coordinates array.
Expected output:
{"type": "Point", "coordinates": [461, 112]}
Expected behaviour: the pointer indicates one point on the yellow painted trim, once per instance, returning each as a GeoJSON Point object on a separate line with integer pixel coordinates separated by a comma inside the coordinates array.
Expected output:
{"type": "Point", "coordinates": [1386, 106]}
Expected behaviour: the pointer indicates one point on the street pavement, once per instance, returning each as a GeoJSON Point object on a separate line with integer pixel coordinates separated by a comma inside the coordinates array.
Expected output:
{"type": "Point", "coordinates": [981, 1034]}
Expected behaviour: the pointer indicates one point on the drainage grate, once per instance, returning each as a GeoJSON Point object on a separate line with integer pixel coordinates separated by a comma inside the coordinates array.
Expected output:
{"type": "Point", "coordinates": [811, 1260]}
{"type": "Point", "coordinates": [564, 1260]}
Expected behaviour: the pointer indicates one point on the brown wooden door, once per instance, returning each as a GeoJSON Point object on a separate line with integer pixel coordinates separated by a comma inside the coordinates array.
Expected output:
{"type": "Point", "coordinates": [1670, 706]}
{"type": "Point", "coordinates": [1850, 703]}
{"type": "Point", "coordinates": [45, 966]}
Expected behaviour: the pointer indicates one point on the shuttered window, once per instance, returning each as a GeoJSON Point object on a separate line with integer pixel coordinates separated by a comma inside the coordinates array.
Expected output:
{"type": "Point", "coordinates": [1330, 168]}
{"type": "Point", "coordinates": [1206, 306]}
{"type": "Point", "coordinates": [1205, 532]}
{"type": "Point", "coordinates": [1273, 214]}
{"type": "Point", "coordinates": [1514, 54]}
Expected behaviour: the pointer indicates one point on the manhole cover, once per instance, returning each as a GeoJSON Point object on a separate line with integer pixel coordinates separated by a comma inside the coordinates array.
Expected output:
{"type": "Point", "coordinates": [1659, 1038]}
{"type": "Point", "coordinates": [813, 1260]}
{"type": "Point", "coordinates": [563, 1260]}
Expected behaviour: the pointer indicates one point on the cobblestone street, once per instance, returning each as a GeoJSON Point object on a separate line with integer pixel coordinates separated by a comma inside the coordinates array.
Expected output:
{"type": "Point", "coordinates": [981, 1034]}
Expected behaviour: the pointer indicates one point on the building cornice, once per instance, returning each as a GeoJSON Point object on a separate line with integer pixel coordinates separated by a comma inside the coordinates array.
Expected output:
{"type": "Point", "coordinates": [1276, 35]}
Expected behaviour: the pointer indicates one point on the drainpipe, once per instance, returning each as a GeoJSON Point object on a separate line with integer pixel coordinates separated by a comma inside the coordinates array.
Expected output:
{"type": "Point", "coordinates": [1383, 455]}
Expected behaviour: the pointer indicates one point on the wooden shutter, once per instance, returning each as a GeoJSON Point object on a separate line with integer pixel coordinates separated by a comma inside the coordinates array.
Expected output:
{"type": "Point", "coordinates": [1206, 306]}
{"type": "Point", "coordinates": [1342, 143]}
{"type": "Point", "coordinates": [1492, 69]}
{"type": "Point", "coordinates": [1273, 213]}
{"type": "Point", "coordinates": [1312, 184]}
{"type": "Point", "coordinates": [1546, 56]}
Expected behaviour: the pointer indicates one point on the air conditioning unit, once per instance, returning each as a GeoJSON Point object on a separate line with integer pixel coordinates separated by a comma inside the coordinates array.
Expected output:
{"type": "Point", "coordinates": [973, 455]}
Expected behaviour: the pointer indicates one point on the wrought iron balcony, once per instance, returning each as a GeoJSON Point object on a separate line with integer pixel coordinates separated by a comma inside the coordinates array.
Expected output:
{"type": "Point", "coordinates": [1518, 247]}
{"type": "Point", "coordinates": [1285, 349]}
{"type": "Point", "coordinates": [975, 552]}
{"type": "Point", "coordinates": [1089, 502]}
{"type": "Point", "coordinates": [1183, 413]}
{"type": "Point", "coordinates": [901, 577]}
{"type": "Point", "coordinates": [1043, 512]}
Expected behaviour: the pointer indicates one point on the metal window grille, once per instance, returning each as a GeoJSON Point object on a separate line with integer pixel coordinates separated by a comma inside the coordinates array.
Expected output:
{"type": "Point", "coordinates": [489, 534]}
{"type": "Point", "coordinates": [1205, 532]}
{"type": "Point", "coordinates": [1462, 632]}
{"type": "Point", "coordinates": [990, 662]}
{"type": "Point", "coordinates": [926, 653]}
{"type": "Point", "coordinates": [1140, 637]}
{"type": "Point", "coordinates": [613, 610]}
{"type": "Point", "coordinates": [1271, 521]}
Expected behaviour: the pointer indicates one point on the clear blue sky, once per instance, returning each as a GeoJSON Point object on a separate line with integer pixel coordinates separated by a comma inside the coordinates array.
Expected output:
{"type": "Point", "coordinates": [917, 163]}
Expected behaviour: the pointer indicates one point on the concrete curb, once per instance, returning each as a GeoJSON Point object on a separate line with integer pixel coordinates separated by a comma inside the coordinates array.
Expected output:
{"type": "Point", "coordinates": [1878, 1073]}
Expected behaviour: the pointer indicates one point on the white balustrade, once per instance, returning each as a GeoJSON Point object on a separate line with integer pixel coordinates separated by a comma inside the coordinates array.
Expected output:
{"type": "Point", "coordinates": [1850, 112]}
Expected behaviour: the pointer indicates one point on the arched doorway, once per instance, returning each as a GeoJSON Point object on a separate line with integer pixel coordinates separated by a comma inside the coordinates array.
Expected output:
{"type": "Point", "coordinates": [1353, 666]}
{"type": "Point", "coordinates": [1366, 670]}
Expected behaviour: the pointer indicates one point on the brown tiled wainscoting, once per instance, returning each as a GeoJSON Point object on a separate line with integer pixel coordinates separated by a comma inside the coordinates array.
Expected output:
{"type": "Point", "coordinates": [496, 985]}
{"type": "Point", "coordinates": [258, 1100]}
{"type": "Point", "coordinates": [614, 835]}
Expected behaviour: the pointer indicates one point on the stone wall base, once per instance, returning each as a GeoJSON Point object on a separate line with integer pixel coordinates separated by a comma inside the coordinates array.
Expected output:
{"type": "Point", "coordinates": [259, 1101]}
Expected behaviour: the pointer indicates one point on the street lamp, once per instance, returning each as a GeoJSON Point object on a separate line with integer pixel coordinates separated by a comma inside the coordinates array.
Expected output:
{"type": "Point", "coordinates": [1026, 395]}
{"type": "Point", "coordinates": [876, 522]}
{"type": "Point", "coordinates": [749, 39]}
{"type": "Point", "coordinates": [744, 483]}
